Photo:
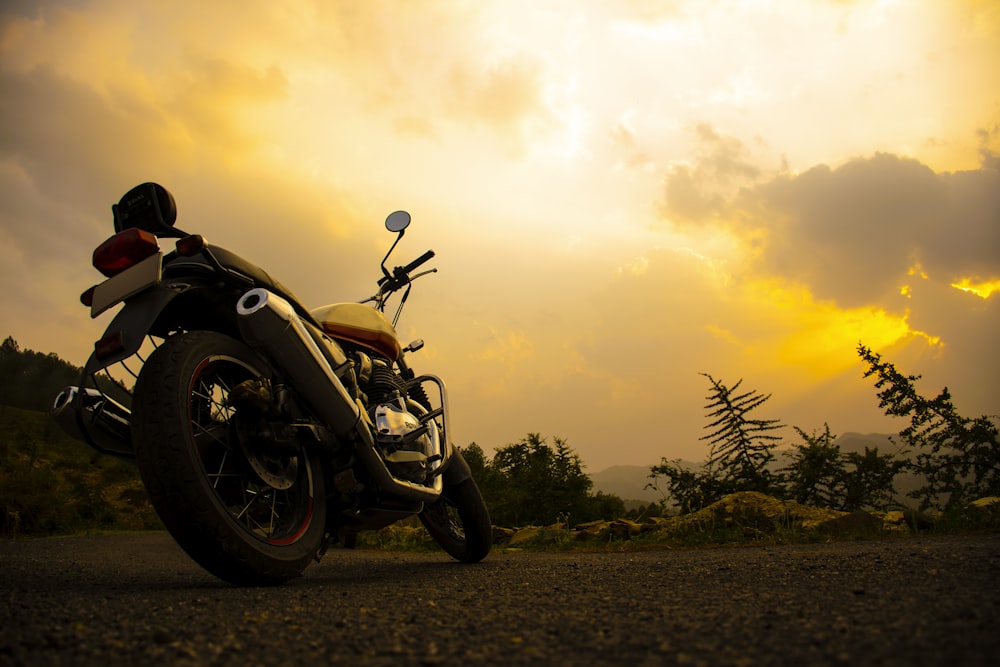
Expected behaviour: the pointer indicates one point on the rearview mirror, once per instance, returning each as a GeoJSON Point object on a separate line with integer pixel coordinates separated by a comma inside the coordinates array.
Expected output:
{"type": "Point", "coordinates": [397, 221]}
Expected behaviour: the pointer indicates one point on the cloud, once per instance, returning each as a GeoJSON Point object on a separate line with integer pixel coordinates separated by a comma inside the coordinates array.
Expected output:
{"type": "Point", "coordinates": [853, 233]}
{"type": "Point", "coordinates": [695, 193]}
{"type": "Point", "coordinates": [507, 97]}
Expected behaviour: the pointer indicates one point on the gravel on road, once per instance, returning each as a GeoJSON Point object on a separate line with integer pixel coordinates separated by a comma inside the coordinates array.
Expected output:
{"type": "Point", "coordinates": [137, 599]}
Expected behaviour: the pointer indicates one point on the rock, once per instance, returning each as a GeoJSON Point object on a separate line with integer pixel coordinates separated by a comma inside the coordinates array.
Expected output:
{"type": "Point", "coordinates": [987, 503]}
{"type": "Point", "coordinates": [590, 530]}
{"type": "Point", "coordinates": [856, 523]}
{"type": "Point", "coordinates": [524, 535]}
{"type": "Point", "coordinates": [502, 535]}
{"type": "Point", "coordinates": [757, 512]}
{"type": "Point", "coordinates": [895, 520]}
{"type": "Point", "coordinates": [624, 529]}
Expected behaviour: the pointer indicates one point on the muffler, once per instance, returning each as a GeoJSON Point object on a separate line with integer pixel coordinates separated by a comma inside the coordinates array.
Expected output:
{"type": "Point", "coordinates": [94, 418]}
{"type": "Point", "coordinates": [271, 326]}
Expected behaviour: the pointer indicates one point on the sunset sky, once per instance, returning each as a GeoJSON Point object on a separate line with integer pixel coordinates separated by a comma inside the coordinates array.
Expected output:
{"type": "Point", "coordinates": [621, 195]}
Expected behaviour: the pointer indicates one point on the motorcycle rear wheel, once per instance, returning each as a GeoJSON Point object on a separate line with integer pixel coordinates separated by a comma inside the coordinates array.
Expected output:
{"type": "Point", "coordinates": [459, 522]}
{"type": "Point", "coordinates": [249, 514]}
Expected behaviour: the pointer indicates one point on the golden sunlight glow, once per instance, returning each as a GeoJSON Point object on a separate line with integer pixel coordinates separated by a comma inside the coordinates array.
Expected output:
{"type": "Point", "coordinates": [617, 192]}
{"type": "Point", "coordinates": [821, 336]}
{"type": "Point", "coordinates": [981, 289]}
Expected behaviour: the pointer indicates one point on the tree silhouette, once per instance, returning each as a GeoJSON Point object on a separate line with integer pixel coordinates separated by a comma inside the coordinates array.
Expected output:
{"type": "Point", "coordinates": [870, 483]}
{"type": "Point", "coordinates": [816, 474]}
{"type": "Point", "coordinates": [959, 457]}
{"type": "Point", "coordinates": [741, 447]}
{"type": "Point", "coordinates": [531, 482]}
{"type": "Point", "coordinates": [740, 451]}
{"type": "Point", "coordinates": [31, 379]}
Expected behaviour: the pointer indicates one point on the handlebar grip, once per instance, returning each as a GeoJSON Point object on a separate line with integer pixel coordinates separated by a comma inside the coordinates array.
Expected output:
{"type": "Point", "coordinates": [418, 261]}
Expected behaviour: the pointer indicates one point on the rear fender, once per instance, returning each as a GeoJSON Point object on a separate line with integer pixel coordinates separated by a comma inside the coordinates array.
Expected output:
{"type": "Point", "coordinates": [160, 311]}
{"type": "Point", "coordinates": [129, 327]}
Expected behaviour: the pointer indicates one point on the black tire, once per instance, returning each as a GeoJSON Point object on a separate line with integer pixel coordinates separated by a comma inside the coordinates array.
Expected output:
{"type": "Point", "coordinates": [459, 522]}
{"type": "Point", "coordinates": [207, 484]}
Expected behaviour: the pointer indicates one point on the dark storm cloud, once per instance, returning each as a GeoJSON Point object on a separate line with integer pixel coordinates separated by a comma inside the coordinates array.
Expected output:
{"type": "Point", "coordinates": [854, 233]}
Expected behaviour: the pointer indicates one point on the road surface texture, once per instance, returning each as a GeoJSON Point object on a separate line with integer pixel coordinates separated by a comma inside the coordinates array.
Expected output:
{"type": "Point", "coordinates": [138, 600]}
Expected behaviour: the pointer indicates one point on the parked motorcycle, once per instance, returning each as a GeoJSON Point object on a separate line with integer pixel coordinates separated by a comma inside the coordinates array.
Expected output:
{"type": "Point", "coordinates": [264, 431]}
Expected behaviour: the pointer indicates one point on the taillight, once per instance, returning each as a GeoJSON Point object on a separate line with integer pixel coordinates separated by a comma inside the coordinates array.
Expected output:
{"type": "Point", "coordinates": [123, 250]}
{"type": "Point", "coordinates": [112, 343]}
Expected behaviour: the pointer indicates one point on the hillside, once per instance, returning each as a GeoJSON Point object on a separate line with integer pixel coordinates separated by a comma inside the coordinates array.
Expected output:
{"type": "Point", "coordinates": [52, 484]}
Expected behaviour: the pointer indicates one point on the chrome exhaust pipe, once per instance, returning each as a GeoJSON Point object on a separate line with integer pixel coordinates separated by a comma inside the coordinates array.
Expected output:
{"type": "Point", "coordinates": [94, 418]}
{"type": "Point", "coordinates": [271, 326]}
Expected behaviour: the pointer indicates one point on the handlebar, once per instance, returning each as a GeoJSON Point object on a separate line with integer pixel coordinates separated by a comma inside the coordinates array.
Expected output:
{"type": "Point", "coordinates": [401, 274]}
{"type": "Point", "coordinates": [400, 277]}
{"type": "Point", "coordinates": [418, 261]}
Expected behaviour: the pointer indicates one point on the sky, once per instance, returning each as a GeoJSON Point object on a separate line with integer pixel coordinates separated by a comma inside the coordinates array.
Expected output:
{"type": "Point", "coordinates": [623, 196]}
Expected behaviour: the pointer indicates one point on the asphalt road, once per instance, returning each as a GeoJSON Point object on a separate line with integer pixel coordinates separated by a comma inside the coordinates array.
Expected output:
{"type": "Point", "coordinates": [138, 600]}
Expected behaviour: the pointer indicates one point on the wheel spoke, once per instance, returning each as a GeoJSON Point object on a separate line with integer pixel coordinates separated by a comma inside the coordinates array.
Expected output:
{"type": "Point", "coordinates": [205, 429]}
{"type": "Point", "coordinates": [256, 506]}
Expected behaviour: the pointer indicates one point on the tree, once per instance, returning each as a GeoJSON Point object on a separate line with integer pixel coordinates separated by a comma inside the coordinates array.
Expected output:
{"type": "Point", "coordinates": [820, 475]}
{"type": "Point", "coordinates": [815, 476]}
{"type": "Point", "coordinates": [958, 457]}
{"type": "Point", "coordinates": [689, 489]}
{"type": "Point", "coordinates": [31, 379]}
{"type": "Point", "coordinates": [740, 451]}
{"type": "Point", "coordinates": [740, 447]}
{"type": "Point", "coordinates": [869, 485]}
{"type": "Point", "coordinates": [533, 482]}
{"type": "Point", "coordinates": [9, 346]}
{"type": "Point", "coordinates": [476, 458]}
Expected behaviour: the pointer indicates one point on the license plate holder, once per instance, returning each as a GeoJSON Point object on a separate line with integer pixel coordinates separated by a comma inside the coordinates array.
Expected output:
{"type": "Point", "coordinates": [129, 282]}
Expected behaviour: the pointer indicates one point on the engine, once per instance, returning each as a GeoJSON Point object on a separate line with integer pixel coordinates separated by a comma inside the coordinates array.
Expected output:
{"type": "Point", "coordinates": [405, 441]}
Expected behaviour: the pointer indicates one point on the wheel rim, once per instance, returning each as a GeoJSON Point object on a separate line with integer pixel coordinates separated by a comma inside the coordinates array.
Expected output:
{"type": "Point", "coordinates": [244, 480]}
{"type": "Point", "coordinates": [445, 515]}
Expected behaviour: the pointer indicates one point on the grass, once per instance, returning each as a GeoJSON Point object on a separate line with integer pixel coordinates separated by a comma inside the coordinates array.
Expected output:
{"type": "Point", "coordinates": [51, 484]}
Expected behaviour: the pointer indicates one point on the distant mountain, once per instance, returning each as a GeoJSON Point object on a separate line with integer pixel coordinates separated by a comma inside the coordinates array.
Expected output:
{"type": "Point", "coordinates": [629, 482]}
{"type": "Point", "coordinates": [856, 442]}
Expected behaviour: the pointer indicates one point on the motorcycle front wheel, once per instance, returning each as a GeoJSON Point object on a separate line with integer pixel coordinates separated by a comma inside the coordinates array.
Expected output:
{"type": "Point", "coordinates": [459, 522]}
{"type": "Point", "coordinates": [249, 513]}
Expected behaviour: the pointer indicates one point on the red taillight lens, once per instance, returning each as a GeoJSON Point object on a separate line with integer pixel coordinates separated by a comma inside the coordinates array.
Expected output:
{"type": "Point", "coordinates": [112, 343]}
{"type": "Point", "coordinates": [123, 250]}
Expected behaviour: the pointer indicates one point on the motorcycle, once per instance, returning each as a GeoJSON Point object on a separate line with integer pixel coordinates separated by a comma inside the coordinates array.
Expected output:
{"type": "Point", "coordinates": [263, 431]}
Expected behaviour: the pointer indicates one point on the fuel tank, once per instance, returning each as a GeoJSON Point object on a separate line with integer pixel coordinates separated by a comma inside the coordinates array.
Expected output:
{"type": "Point", "coordinates": [361, 325]}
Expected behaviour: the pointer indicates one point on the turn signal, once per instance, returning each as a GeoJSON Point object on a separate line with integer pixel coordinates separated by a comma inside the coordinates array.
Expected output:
{"type": "Point", "coordinates": [190, 245]}
{"type": "Point", "coordinates": [123, 250]}
{"type": "Point", "coordinates": [87, 298]}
